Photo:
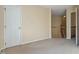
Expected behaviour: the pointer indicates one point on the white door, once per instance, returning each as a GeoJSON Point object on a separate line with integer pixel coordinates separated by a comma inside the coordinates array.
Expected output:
{"type": "Point", "coordinates": [12, 25]}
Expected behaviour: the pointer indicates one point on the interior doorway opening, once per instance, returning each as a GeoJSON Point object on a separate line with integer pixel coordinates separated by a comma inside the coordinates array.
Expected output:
{"type": "Point", "coordinates": [58, 26]}
{"type": "Point", "coordinates": [73, 25]}
{"type": "Point", "coordinates": [63, 27]}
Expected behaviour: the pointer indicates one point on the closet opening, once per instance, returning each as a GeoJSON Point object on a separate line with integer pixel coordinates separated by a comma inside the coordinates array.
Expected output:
{"type": "Point", "coordinates": [73, 25]}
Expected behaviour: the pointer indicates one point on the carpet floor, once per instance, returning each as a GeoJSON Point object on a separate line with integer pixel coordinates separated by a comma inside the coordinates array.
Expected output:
{"type": "Point", "coordinates": [48, 46]}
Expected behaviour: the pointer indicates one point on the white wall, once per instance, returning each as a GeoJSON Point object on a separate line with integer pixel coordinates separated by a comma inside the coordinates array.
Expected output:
{"type": "Point", "coordinates": [36, 23]}
{"type": "Point", "coordinates": [68, 23]}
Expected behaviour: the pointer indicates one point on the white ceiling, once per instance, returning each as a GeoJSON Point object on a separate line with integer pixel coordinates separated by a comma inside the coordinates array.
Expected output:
{"type": "Point", "coordinates": [58, 10]}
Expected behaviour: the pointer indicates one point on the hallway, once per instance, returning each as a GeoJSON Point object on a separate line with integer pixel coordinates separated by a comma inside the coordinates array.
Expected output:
{"type": "Point", "coordinates": [48, 46]}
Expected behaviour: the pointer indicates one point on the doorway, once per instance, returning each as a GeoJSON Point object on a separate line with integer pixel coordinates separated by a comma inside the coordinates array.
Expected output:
{"type": "Point", "coordinates": [63, 27]}
{"type": "Point", "coordinates": [56, 26]}
{"type": "Point", "coordinates": [73, 25]}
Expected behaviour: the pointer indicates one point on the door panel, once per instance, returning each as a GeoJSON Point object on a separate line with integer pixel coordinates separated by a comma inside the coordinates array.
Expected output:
{"type": "Point", "coordinates": [12, 25]}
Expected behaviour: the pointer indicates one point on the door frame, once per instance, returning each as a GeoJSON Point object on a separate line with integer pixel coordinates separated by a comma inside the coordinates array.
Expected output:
{"type": "Point", "coordinates": [68, 19]}
{"type": "Point", "coordinates": [76, 9]}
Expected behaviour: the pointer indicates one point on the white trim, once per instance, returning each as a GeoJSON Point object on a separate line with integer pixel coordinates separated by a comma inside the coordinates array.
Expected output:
{"type": "Point", "coordinates": [76, 25]}
{"type": "Point", "coordinates": [50, 24]}
{"type": "Point", "coordinates": [4, 27]}
{"type": "Point", "coordinates": [22, 43]}
{"type": "Point", "coordinates": [21, 24]}
{"type": "Point", "coordinates": [45, 38]}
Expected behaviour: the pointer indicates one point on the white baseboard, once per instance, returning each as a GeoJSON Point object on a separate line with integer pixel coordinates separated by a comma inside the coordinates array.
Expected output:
{"type": "Point", "coordinates": [35, 40]}
{"type": "Point", "coordinates": [22, 43]}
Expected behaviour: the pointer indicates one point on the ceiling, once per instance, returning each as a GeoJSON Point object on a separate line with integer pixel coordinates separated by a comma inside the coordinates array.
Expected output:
{"type": "Point", "coordinates": [59, 10]}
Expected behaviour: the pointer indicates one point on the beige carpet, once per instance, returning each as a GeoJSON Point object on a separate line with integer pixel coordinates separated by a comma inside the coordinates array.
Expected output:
{"type": "Point", "coordinates": [48, 46]}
